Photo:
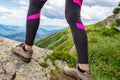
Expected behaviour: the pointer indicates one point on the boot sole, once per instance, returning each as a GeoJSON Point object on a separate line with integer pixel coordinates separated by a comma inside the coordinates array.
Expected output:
{"type": "Point", "coordinates": [72, 76]}
{"type": "Point", "coordinates": [26, 60]}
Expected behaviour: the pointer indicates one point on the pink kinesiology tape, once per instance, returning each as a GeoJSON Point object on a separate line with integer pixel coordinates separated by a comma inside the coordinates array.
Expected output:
{"type": "Point", "coordinates": [78, 2]}
{"type": "Point", "coordinates": [34, 16]}
{"type": "Point", "coordinates": [81, 26]}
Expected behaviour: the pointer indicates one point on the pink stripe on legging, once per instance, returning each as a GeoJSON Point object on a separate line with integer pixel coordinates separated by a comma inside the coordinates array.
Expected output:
{"type": "Point", "coordinates": [78, 2]}
{"type": "Point", "coordinates": [81, 26]}
{"type": "Point", "coordinates": [34, 16]}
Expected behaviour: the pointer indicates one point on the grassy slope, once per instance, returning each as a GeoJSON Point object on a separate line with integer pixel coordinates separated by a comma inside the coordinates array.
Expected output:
{"type": "Point", "coordinates": [104, 50]}
{"type": "Point", "coordinates": [59, 41]}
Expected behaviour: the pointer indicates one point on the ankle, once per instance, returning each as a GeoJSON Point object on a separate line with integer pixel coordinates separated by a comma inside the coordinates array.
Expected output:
{"type": "Point", "coordinates": [84, 67]}
{"type": "Point", "coordinates": [81, 70]}
{"type": "Point", "coordinates": [27, 47]}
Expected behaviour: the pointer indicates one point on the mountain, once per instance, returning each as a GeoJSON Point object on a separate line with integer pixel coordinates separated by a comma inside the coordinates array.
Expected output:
{"type": "Point", "coordinates": [103, 49]}
{"type": "Point", "coordinates": [56, 40]}
{"type": "Point", "coordinates": [63, 40]}
{"type": "Point", "coordinates": [18, 33]}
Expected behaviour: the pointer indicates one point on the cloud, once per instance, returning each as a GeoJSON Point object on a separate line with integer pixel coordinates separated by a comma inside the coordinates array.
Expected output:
{"type": "Point", "coordinates": [96, 12]}
{"type": "Point", "coordinates": [4, 12]}
{"type": "Point", "coordinates": [53, 21]}
{"type": "Point", "coordinates": [12, 16]}
{"type": "Point", "coordinates": [54, 9]}
{"type": "Point", "coordinates": [53, 12]}
{"type": "Point", "coordinates": [21, 2]}
{"type": "Point", "coordinates": [108, 3]}
{"type": "Point", "coordinates": [18, 17]}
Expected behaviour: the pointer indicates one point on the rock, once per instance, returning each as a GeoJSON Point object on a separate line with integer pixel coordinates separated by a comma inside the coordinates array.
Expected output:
{"type": "Point", "coordinates": [13, 68]}
{"type": "Point", "coordinates": [118, 28]}
{"type": "Point", "coordinates": [60, 64]}
{"type": "Point", "coordinates": [73, 49]}
{"type": "Point", "coordinates": [110, 19]}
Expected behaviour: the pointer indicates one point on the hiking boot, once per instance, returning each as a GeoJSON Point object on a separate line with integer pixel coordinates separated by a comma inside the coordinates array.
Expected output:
{"type": "Point", "coordinates": [20, 52]}
{"type": "Point", "coordinates": [74, 72]}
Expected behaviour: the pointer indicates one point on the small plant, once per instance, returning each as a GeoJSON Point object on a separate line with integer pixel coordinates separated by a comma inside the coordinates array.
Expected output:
{"type": "Point", "coordinates": [117, 22]}
{"type": "Point", "coordinates": [116, 10]}
{"type": "Point", "coordinates": [119, 4]}
{"type": "Point", "coordinates": [71, 59]}
{"type": "Point", "coordinates": [44, 64]}
{"type": "Point", "coordinates": [55, 71]}
{"type": "Point", "coordinates": [109, 32]}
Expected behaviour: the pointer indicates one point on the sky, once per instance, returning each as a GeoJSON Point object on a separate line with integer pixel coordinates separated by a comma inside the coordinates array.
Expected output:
{"type": "Point", "coordinates": [13, 12]}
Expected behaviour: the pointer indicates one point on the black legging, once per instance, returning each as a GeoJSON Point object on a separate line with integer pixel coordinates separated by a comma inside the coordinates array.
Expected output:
{"type": "Point", "coordinates": [72, 14]}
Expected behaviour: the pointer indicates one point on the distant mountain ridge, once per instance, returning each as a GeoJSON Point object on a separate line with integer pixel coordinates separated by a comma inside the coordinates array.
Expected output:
{"type": "Point", "coordinates": [18, 33]}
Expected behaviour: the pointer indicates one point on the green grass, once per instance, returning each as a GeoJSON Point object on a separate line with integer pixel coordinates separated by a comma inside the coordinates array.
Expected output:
{"type": "Point", "coordinates": [71, 59]}
{"type": "Point", "coordinates": [54, 40]}
{"type": "Point", "coordinates": [44, 64]}
{"type": "Point", "coordinates": [103, 49]}
{"type": "Point", "coordinates": [104, 57]}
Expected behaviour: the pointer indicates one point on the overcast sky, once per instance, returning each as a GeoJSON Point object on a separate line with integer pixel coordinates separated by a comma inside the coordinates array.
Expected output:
{"type": "Point", "coordinates": [13, 12]}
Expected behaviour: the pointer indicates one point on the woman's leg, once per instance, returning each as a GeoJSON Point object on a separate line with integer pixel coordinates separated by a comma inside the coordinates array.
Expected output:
{"type": "Point", "coordinates": [24, 51]}
{"type": "Point", "coordinates": [72, 13]}
{"type": "Point", "coordinates": [33, 19]}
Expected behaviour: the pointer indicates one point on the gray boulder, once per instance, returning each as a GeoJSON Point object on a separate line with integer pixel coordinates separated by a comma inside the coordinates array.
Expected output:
{"type": "Point", "coordinates": [13, 68]}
